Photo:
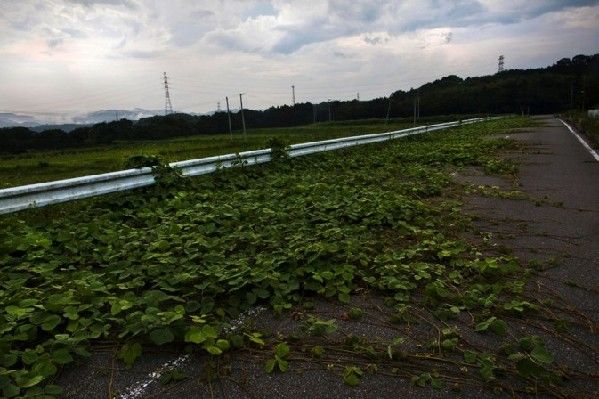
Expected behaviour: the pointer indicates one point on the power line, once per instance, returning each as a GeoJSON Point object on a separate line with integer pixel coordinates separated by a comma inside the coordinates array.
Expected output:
{"type": "Point", "coordinates": [229, 117]}
{"type": "Point", "coordinates": [242, 118]}
{"type": "Point", "coordinates": [168, 106]}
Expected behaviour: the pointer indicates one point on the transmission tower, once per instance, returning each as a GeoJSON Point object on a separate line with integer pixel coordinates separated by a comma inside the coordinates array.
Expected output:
{"type": "Point", "coordinates": [500, 63]}
{"type": "Point", "coordinates": [168, 106]}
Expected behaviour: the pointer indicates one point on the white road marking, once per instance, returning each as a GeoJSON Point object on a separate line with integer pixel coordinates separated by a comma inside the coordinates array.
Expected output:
{"type": "Point", "coordinates": [582, 141]}
{"type": "Point", "coordinates": [139, 388]}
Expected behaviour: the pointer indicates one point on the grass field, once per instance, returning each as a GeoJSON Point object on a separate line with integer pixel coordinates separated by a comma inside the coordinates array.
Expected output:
{"type": "Point", "coordinates": [39, 166]}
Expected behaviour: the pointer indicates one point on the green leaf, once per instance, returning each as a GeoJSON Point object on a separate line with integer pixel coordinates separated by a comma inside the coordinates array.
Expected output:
{"type": "Point", "coordinates": [469, 356]}
{"type": "Point", "coordinates": [44, 368]}
{"type": "Point", "coordinates": [223, 344]}
{"type": "Point", "coordinates": [527, 368]}
{"type": "Point", "coordinates": [283, 365]}
{"type": "Point", "coordinates": [52, 390]}
{"type": "Point", "coordinates": [352, 375]}
{"type": "Point", "coordinates": [541, 355]}
{"type": "Point", "coordinates": [8, 359]}
{"type": "Point", "coordinates": [255, 338]}
{"type": "Point", "coordinates": [486, 372]}
{"type": "Point", "coordinates": [129, 353]}
{"type": "Point", "coordinates": [209, 332]}
{"type": "Point", "coordinates": [213, 350]}
{"type": "Point", "coordinates": [29, 356]}
{"type": "Point", "coordinates": [10, 391]}
{"type": "Point", "coordinates": [51, 322]}
{"type": "Point", "coordinates": [25, 382]}
{"type": "Point", "coordinates": [282, 350]}
{"type": "Point", "coordinates": [162, 336]}
{"type": "Point", "coordinates": [270, 365]}
{"type": "Point", "coordinates": [62, 356]}
{"type": "Point", "coordinates": [351, 379]}
{"type": "Point", "coordinates": [195, 335]}
{"type": "Point", "coordinates": [449, 344]}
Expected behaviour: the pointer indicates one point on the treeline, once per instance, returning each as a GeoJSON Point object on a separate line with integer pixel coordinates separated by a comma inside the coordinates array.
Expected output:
{"type": "Point", "coordinates": [567, 84]}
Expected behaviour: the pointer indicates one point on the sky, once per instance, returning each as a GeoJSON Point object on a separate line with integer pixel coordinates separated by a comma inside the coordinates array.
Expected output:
{"type": "Point", "coordinates": [70, 56]}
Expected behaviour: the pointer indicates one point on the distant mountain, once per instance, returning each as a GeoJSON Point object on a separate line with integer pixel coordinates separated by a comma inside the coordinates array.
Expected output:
{"type": "Point", "coordinates": [67, 122]}
{"type": "Point", "coordinates": [8, 119]}
{"type": "Point", "coordinates": [114, 114]}
{"type": "Point", "coordinates": [39, 122]}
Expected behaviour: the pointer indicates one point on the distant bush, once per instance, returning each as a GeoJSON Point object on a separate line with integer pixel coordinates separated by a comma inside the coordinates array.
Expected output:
{"type": "Point", "coordinates": [141, 161]}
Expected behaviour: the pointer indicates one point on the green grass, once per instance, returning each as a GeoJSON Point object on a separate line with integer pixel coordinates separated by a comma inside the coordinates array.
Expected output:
{"type": "Point", "coordinates": [42, 166]}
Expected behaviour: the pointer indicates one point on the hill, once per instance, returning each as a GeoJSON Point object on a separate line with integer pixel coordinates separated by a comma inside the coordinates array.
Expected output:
{"type": "Point", "coordinates": [567, 84]}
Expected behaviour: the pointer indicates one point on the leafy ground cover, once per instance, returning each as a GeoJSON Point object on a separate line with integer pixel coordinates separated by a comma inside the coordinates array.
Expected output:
{"type": "Point", "coordinates": [173, 264]}
{"type": "Point", "coordinates": [41, 166]}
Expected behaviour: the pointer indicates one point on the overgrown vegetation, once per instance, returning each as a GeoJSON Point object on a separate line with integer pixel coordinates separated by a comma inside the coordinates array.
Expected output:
{"type": "Point", "coordinates": [588, 126]}
{"type": "Point", "coordinates": [41, 166]}
{"type": "Point", "coordinates": [162, 266]}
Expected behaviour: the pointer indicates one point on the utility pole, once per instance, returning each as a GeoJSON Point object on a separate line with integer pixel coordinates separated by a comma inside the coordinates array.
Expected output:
{"type": "Point", "coordinates": [293, 95]}
{"type": "Point", "coordinates": [358, 96]}
{"type": "Point", "coordinates": [415, 100]}
{"type": "Point", "coordinates": [218, 106]}
{"type": "Point", "coordinates": [329, 102]}
{"type": "Point", "coordinates": [229, 116]}
{"type": "Point", "coordinates": [388, 111]}
{"type": "Point", "coordinates": [418, 106]}
{"type": "Point", "coordinates": [242, 118]}
{"type": "Point", "coordinates": [313, 113]}
{"type": "Point", "coordinates": [168, 107]}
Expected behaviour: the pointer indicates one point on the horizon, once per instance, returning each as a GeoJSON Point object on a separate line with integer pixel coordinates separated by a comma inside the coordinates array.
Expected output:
{"type": "Point", "coordinates": [72, 57]}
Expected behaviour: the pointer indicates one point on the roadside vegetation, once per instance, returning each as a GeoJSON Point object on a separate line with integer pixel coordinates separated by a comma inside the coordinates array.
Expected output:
{"type": "Point", "coordinates": [586, 125]}
{"type": "Point", "coordinates": [174, 263]}
{"type": "Point", "coordinates": [41, 166]}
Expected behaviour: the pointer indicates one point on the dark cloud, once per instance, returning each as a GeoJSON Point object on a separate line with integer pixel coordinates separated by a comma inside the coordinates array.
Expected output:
{"type": "Point", "coordinates": [374, 40]}
{"type": "Point", "coordinates": [54, 42]}
{"type": "Point", "coordinates": [340, 54]}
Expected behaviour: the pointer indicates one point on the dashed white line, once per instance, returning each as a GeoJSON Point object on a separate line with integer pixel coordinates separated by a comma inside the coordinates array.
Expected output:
{"type": "Point", "coordinates": [582, 141]}
{"type": "Point", "coordinates": [139, 388]}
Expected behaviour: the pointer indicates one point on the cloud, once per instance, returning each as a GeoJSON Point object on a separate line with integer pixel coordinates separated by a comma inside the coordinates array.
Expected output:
{"type": "Point", "coordinates": [376, 39]}
{"type": "Point", "coordinates": [91, 3]}
{"type": "Point", "coordinates": [54, 42]}
{"type": "Point", "coordinates": [66, 54]}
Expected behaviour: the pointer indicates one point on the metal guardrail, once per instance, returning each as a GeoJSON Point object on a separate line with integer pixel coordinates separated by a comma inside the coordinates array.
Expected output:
{"type": "Point", "coordinates": [41, 194]}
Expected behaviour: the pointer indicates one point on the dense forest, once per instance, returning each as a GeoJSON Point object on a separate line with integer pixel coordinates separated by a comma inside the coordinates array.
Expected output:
{"type": "Point", "coordinates": [567, 84]}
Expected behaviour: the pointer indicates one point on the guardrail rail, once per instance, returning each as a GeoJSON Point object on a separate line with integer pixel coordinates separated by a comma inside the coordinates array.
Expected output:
{"type": "Point", "coordinates": [41, 194]}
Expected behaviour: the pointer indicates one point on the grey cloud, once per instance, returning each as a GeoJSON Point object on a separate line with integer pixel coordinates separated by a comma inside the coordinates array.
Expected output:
{"type": "Point", "coordinates": [374, 40]}
{"type": "Point", "coordinates": [54, 42]}
{"type": "Point", "coordinates": [90, 3]}
{"type": "Point", "coordinates": [142, 54]}
{"type": "Point", "coordinates": [340, 54]}
{"type": "Point", "coordinates": [75, 33]}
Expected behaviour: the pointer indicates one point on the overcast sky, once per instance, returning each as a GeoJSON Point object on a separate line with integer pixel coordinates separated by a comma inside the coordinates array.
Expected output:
{"type": "Point", "coordinates": [82, 55]}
